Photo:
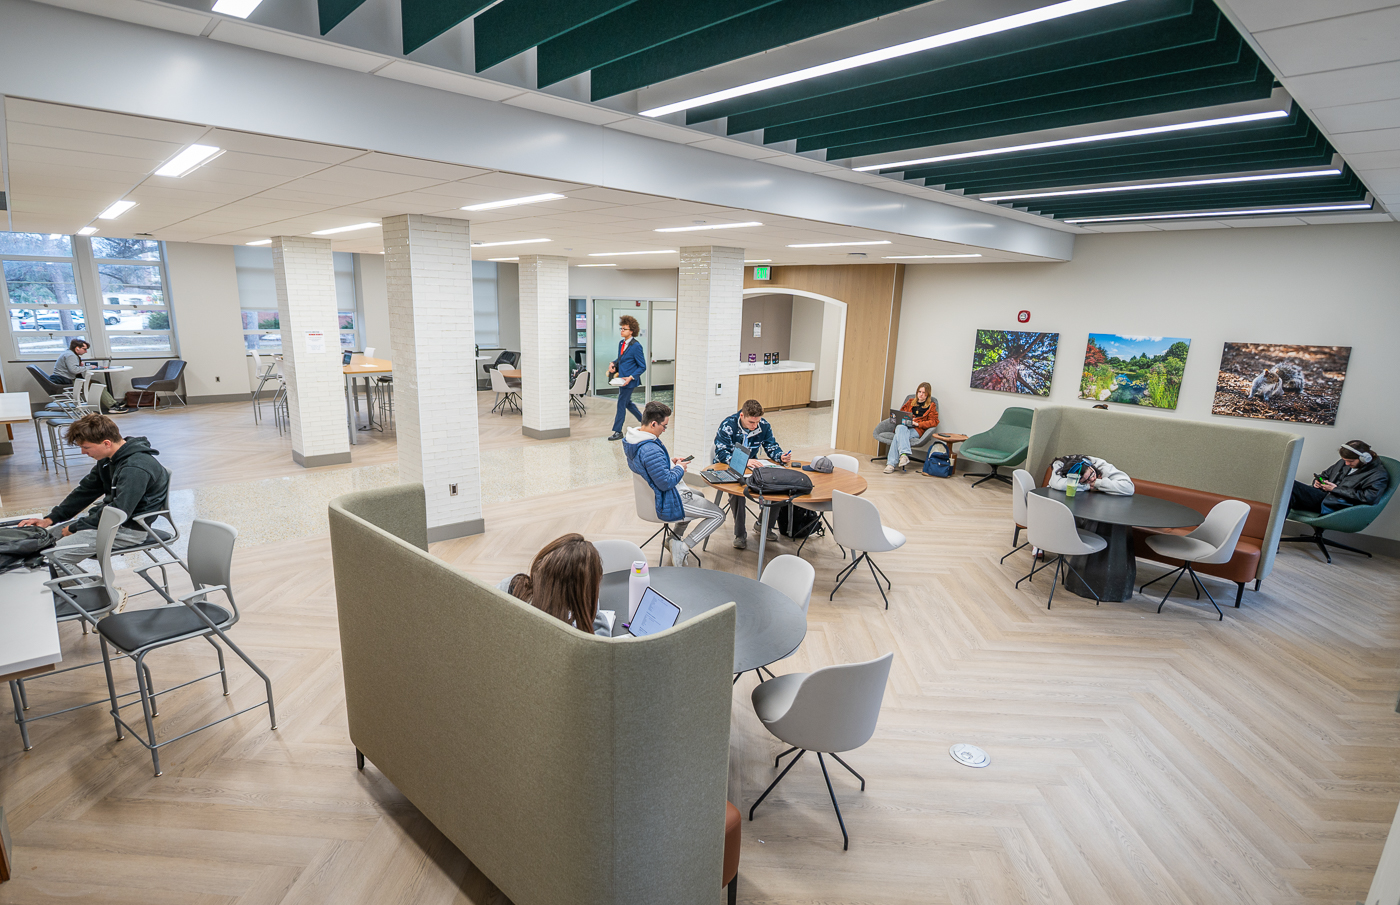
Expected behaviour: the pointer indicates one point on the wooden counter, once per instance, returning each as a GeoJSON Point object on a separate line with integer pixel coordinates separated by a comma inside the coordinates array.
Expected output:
{"type": "Point", "coordinates": [782, 390]}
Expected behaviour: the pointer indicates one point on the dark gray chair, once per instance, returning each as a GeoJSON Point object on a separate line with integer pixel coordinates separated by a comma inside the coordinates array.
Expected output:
{"type": "Point", "coordinates": [166, 380]}
{"type": "Point", "coordinates": [918, 450]}
{"type": "Point", "coordinates": [53, 410]}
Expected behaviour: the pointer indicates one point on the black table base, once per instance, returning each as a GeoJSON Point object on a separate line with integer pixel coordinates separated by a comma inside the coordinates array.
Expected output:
{"type": "Point", "coordinates": [1111, 572]}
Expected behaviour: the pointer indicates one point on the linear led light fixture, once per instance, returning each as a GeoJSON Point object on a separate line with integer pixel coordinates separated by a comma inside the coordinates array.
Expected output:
{"type": "Point", "coordinates": [512, 202]}
{"type": "Point", "coordinates": [1007, 23]}
{"type": "Point", "coordinates": [116, 210]}
{"type": "Point", "coordinates": [1165, 185]}
{"type": "Point", "coordinates": [1358, 206]}
{"type": "Point", "coordinates": [344, 229]}
{"type": "Point", "coordinates": [189, 160]}
{"type": "Point", "coordinates": [511, 242]}
{"type": "Point", "coordinates": [259, 242]}
{"type": "Point", "coordinates": [707, 227]}
{"type": "Point", "coordinates": [921, 257]}
{"type": "Point", "coordinates": [1083, 139]}
{"type": "Point", "coordinates": [835, 244]}
{"type": "Point", "coordinates": [87, 230]}
{"type": "Point", "coordinates": [595, 265]}
{"type": "Point", "coordinates": [618, 254]}
{"type": "Point", "coordinates": [760, 261]}
{"type": "Point", "coordinates": [240, 8]}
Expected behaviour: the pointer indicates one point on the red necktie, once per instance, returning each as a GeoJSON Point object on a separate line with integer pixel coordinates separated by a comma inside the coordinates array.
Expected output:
{"type": "Point", "coordinates": [622, 347]}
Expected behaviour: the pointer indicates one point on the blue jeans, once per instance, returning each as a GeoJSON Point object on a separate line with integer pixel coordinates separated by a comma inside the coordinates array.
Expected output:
{"type": "Point", "coordinates": [624, 405]}
{"type": "Point", "coordinates": [904, 435]}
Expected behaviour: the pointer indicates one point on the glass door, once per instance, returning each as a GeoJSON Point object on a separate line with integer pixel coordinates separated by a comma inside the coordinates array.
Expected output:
{"type": "Point", "coordinates": [606, 338]}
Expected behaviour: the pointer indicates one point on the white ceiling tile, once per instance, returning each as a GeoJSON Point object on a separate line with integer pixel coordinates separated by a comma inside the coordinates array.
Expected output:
{"type": "Point", "coordinates": [1122, 228]}
{"type": "Point", "coordinates": [260, 165]}
{"type": "Point", "coordinates": [737, 148]}
{"type": "Point", "coordinates": [412, 166]}
{"type": "Point", "coordinates": [1367, 217]}
{"type": "Point", "coordinates": [1359, 117]}
{"type": "Point", "coordinates": [1261, 15]}
{"type": "Point", "coordinates": [558, 106]}
{"type": "Point", "coordinates": [796, 162]}
{"type": "Point", "coordinates": [1245, 222]}
{"type": "Point", "coordinates": [271, 146]}
{"type": "Point", "coordinates": [280, 42]}
{"type": "Point", "coordinates": [1339, 43]}
{"type": "Point", "coordinates": [1374, 160]}
{"type": "Point", "coordinates": [442, 79]}
{"type": "Point", "coordinates": [665, 131]}
{"type": "Point", "coordinates": [105, 143]}
{"type": "Point", "coordinates": [1383, 181]}
{"type": "Point", "coordinates": [1356, 85]}
{"type": "Point", "coordinates": [1363, 142]}
{"type": "Point", "coordinates": [516, 186]}
{"type": "Point", "coordinates": [1190, 224]}
{"type": "Point", "coordinates": [169, 18]}
{"type": "Point", "coordinates": [83, 119]}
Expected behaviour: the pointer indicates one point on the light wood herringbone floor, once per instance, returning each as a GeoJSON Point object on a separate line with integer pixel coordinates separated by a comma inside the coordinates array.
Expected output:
{"type": "Point", "coordinates": [1136, 757]}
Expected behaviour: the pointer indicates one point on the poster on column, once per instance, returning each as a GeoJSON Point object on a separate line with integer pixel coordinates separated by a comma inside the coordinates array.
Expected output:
{"type": "Point", "coordinates": [315, 342]}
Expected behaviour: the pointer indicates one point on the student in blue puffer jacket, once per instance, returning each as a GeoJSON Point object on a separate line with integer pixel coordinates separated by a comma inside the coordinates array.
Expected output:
{"type": "Point", "coordinates": [648, 457]}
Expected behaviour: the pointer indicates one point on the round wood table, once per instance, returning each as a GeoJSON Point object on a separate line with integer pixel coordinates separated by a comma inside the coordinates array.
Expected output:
{"type": "Point", "coordinates": [768, 625]}
{"type": "Point", "coordinates": [1112, 572]}
{"type": "Point", "coordinates": [822, 486]}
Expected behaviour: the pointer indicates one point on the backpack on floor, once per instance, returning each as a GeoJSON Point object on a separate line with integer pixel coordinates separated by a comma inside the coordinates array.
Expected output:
{"type": "Point", "coordinates": [939, 464]}
{"type": "Point", "coordinates": [139, 399]}
{"type": "Point", "coordinates": [797, 523]}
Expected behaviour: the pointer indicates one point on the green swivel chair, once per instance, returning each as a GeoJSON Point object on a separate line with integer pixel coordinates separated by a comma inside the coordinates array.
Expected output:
{"type": "Point", "coordinates": [1004, 445]}
{"type": "Point", "coordinates": [1349, 520]}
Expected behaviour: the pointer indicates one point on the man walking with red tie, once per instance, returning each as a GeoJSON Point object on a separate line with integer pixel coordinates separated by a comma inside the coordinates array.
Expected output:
{"type": "Point", "coordinates": [628, 366]}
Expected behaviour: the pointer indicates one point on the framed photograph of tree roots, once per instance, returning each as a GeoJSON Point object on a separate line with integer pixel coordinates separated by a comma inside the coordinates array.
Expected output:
{"type": "Point", "coordinates": [1014, 361]}
{"type": "Point", "coordinates": [1281, 382]}
{"type": "Point", "coordinates": [1134, 370]}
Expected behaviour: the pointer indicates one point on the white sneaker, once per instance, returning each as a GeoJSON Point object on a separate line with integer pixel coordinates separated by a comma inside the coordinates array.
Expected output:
{"type": "Point", "coordinates": [741, 542]}
{"type": "Point", "coordinates": [679, 553]}
{"type": "Point", "coordinates": [903, 460]}
{"type": "Point", "coordinates": [889, 469]}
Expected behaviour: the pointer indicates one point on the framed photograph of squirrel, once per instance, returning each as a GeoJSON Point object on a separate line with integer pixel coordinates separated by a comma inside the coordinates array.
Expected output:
{"type": "Point", "coordinates": [1281, 382]}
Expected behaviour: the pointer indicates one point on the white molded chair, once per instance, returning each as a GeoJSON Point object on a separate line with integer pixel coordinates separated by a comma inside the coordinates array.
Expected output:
{"type": "Point", "coordinates": [838, 460]}
{"type": "Point", "coordinates": [369, 352]}
{"type": "Point", "coordinates": [856, 524]}
{"type": "Point", "coordinates": [1021, 485]}
{"type": "Point", "coordinates": [578, 390]}
{"type": "Point", "coordinates": [793, 577]}
{"type": "Point", "coordinates": [505, 393]}
{"type": "Point", "coordinates": [1050, 526]}
{"type": "Point", "coordinates": [828, 711]}
{"type": "Point", "coordinates": [1213, 541]}
{"type": "Point", "coordinates": [645, 499]}
{"type": "Point", "coordinates": [262, 373]}
{"type": "Point", "coordinates": [618, 555]}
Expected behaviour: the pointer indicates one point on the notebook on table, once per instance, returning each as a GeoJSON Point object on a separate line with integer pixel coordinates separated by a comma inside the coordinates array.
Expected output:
{"type": "Point", "coordinates": [733, 473]}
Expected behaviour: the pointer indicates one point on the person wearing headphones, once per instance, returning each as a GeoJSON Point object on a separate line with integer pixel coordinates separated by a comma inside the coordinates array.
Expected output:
{"type": "Point", "coordinates": [1357, 479]}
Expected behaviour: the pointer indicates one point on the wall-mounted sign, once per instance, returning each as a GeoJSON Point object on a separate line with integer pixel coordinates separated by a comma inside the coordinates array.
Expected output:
{"type": "Point", "coordinates": [1023, 317]}
{"type": "Point", "coordinates": [757, 329]}
{"type": "Point", "coordinates": [315, 342]}
{"type": "Point", "coordinates": [762, 272]}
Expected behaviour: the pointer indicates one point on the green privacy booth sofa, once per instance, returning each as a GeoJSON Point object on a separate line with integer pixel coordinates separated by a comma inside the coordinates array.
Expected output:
{"type": "Point", "coordinates": [567, 767]}
{"type": "Point", "coordinates": [1348, 521]}
{"type": "Point", "coordinates": [1004, 445]}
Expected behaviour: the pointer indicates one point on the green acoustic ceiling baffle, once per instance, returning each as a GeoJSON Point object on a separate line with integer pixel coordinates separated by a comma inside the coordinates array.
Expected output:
{"type": "Point", "coordinates": [332, 12]}
{"type": "Point", "coordinates": [424, 20]}
{"type": "Point", "coordinates": [514, 26]}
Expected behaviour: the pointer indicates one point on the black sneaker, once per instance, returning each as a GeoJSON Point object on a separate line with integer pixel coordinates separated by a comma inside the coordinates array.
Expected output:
{"type": "Point", "coordinates": [118, 410]}
{"type": "Point", "coordinates": [616, 435]}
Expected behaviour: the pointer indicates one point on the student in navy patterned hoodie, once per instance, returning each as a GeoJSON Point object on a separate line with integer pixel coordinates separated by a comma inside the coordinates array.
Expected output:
{"type": "Point", "coordinates": [748, 428]}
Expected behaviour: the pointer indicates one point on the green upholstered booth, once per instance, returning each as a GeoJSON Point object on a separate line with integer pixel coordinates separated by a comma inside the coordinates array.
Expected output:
{"type": "Point", "coordinates": [1004, 445]}
{"type": "Point", "coordinates": [1245, 463]}
{"type": "Point", "coordinates": [1349, 520]}
{"type": "Point", "coordinates": [567, 767]}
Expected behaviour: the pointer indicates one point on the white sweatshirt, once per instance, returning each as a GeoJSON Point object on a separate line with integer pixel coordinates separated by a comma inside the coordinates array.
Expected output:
{"type": "Point", "coordinates": [1110, 480]}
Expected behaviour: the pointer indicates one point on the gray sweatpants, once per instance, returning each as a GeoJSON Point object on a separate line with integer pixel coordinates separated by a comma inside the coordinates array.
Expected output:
{"type": "Point", "coordinates": [709, 515]}
{"type": "Point", "coordinates": [81, 545]}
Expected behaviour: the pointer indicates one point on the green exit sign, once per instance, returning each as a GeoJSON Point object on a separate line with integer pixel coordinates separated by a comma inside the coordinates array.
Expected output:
{"type": "Point", "coordinates": [761, 273]}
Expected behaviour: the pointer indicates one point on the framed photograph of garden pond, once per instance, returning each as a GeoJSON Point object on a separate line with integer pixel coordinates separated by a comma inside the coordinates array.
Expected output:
{"type": "Point", "coordinates": [1014, 361]}
{"type": "Point", "coordinates": [1134, 370]}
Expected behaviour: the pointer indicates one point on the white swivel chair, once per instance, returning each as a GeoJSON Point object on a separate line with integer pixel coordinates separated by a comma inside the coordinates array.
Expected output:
{"type": "Point", "coordinates": [618, 555]}
{"type": "Point", "coordinates": [856, 524]}
{"type": "Point", "coordinates": [577, 391]}
{"type": "Point", "coordinates": [505, 393]}
{"type": "Point", "coordinates": [1021, 486]}
{"type": "Point", "coordinates": [645, 499]}
{"type": "Point", "coordinates": [1050, 526]}
{"type": "Point", "coordinates": [1213, 541]}
{"type": "Point", "coordinates": [828, 711]}
{"type": "Point", "coordinates": [793, 577]}
{"type": "Point", "coordinates": [838, 460]}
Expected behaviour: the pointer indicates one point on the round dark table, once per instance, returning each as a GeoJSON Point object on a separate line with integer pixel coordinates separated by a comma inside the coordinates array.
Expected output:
{"type": "Point", "coordinates": [768, 626]}
{"type": "Point", "coordinates": [1112, 572]}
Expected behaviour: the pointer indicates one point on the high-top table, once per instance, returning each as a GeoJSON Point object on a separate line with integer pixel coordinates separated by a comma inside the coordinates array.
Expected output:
{"type": "Point", "coordinates": [1112, 572]}
{"type": "Point", "coordinates": [358, 367]}
{"type": "Point", "coordinates": [14, 409]}
{"type": "Point", "coordinates": [768, 626]}
{"type": "Point", "coordinates": [822, 486]}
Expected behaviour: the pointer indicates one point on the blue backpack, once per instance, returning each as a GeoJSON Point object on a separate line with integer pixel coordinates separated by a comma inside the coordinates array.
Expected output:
{"type": "Point", "coordinates": [939, 464]}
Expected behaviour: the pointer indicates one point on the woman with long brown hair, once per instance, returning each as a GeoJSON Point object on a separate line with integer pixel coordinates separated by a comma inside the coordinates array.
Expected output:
{"type": "Point", "coordinates": [564, 580]}
{"type": "Point", "coordinates": [924, 411]}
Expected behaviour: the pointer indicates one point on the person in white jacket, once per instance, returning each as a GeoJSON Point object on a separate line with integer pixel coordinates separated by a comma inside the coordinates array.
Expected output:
{"type": "Point", "coordinates": [1093, 473]}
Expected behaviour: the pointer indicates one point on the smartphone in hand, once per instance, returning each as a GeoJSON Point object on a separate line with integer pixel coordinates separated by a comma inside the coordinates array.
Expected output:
{"type": "Point", "coordinates": [687, 460]}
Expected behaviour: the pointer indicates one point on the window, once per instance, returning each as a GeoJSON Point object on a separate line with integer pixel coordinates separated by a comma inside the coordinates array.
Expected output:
{"type": "Point", "coordinates": [133, 307]}
{"type": "Point", "coordinates": [486, 312]}
{"type": "Point", "coordinates": [257, 294]}
{"type": "Point", "coordinates": [41, 294]}
{"type": "Point", "coordinates": [345, 300]}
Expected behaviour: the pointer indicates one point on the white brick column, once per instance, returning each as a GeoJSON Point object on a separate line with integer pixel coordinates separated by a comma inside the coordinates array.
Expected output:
{"type": "Point", "coordinates": [709, 308]}
{"type": "Point", "coordinates": [305, 276]}
{"type": "Point", "coordinates": [428, 269]}
{"type": "Point", "coordinates": [544, 346]}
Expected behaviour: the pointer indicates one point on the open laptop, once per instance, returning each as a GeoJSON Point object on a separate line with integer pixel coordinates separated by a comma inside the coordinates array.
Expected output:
{"type": "Point", "coordinates": [901, 417]}
{"type": "Point", "coordinates": [654, 614]}
{"type": "Point", "coordinates": [733, 473]}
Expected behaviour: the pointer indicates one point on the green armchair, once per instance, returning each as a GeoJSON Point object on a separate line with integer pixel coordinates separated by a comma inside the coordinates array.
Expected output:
{"type": "Point", "coordinates": [1005, 444]}
{"type": "Point", "coordinates": [1349, 520]}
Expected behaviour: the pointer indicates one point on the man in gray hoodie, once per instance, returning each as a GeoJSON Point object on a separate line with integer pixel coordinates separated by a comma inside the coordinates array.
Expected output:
{"type": "Point", "coordinates": [126, 476]}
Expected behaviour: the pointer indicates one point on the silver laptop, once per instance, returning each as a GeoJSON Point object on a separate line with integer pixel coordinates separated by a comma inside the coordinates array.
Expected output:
{"type": "Point", "coordinates": [733, 473]}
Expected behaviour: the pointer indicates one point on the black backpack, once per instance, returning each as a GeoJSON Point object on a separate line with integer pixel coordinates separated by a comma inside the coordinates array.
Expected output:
{"type": "Point", "coordinates": [779, 482]}
{"type": "Point", "coordinates": [797, 523]}
{"type": "Point", "coordinates": [18, 545]}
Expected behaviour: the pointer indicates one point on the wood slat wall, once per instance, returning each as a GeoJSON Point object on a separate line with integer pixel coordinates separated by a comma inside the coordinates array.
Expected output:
{"type": "Point", "coordinates": [872, 295]}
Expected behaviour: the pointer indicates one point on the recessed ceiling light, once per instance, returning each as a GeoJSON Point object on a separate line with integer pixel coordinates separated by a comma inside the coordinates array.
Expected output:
{"type": "Point", "coordinates": [920, 257]}
{"type": "Point", "coordinates": [995, 26]}
{"type": "Point", "coordinates": [240, 8]}
{"type": "Point", "coordinates": [1083, 139]}
{"type": "Point", "coordinates": [511, 242]}
{"type": "Point", "coordinates": [707, 227]}
{"type": "Point", "coordinates": [759, 261]}
{"type": "Point", "coordinates": [87, 230]}
{"type": "Point", "coordinates": [116, 210]}
{"type": "Point", "coordinates": [1227, 180]}
{"type": "Point", "coordinates": [503, 260]}
{"type": "Point", "coordinates": [1358, 206]}
{"type": "Point", "coordinates": [837, 244]}
{"type": "Point", "coordinates": [617, 254]}
{"type": "Point", "coordinates": [189, 160]}
{"type": "Point", "coordinates": [259, 242]}
{"type": "Point", "coordinates": [595, 265]}
{"type": "Point", "coordinates": [344, 229]}
{"type": "Point", "coordinates": [512, 202]}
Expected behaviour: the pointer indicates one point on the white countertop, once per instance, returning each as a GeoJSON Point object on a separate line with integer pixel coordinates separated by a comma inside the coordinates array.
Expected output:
{"type": "Point", "coordinates": [14, 408]}
{"type": "Point", "coordinates": [785, 367]}
{"type": "Point", "coordinates": [30, 633]}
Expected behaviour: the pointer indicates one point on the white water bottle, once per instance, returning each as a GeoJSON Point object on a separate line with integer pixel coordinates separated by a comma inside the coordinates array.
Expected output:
{"type": "Point", "coordinates": [638, 580]}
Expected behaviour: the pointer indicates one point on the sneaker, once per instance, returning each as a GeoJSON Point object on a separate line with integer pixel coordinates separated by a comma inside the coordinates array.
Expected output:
{"type": "Point", "coordinates": [903, 460]}
{"type": "Point", "coordinates": [616, 435]}
{"type": "Point", "coordinates": [118, 410]}
{"type": "Point", "coordinates": [889, 469]}
{"type": "Point", "coordinates": [741, 542]}
{"type": "Point", "coordinates": [679, 553]}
